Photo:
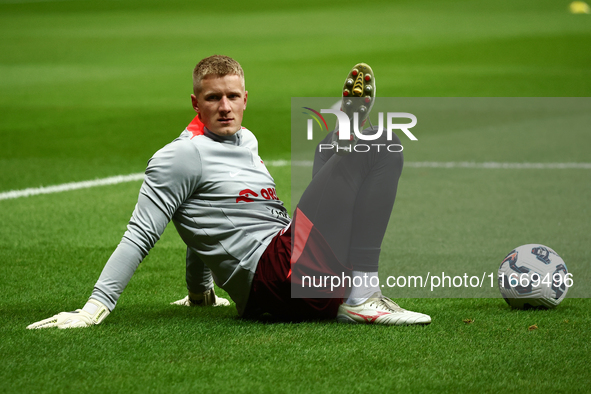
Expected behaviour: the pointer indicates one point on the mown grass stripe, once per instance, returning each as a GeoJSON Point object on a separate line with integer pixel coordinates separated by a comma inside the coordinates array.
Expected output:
{"type": "Point", "coordinates": [302, 163]}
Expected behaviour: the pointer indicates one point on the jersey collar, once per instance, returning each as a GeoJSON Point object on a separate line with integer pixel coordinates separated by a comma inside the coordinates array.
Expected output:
{"type": "Point", "coordinates": [234, 139]}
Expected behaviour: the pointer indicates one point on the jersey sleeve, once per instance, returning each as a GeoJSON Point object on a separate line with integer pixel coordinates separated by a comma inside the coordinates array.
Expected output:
{"type": "Point", "coordinates": [198, 275]}
{"type": "Point", "coordinates": [172, 175]}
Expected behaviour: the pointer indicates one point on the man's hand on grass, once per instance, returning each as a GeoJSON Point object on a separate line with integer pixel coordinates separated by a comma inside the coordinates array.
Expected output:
{"type": "Point", "coordinates": [204, 299]}
{"type": "Point", "coordinates": [94, 312]}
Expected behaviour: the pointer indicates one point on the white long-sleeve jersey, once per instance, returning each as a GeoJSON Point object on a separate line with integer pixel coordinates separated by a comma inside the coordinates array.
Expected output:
{"type": "Point", "coordinates": [222, 200]}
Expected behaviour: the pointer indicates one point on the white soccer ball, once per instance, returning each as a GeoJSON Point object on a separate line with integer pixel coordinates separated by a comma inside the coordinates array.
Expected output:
{"type": "Point", "coordinates": [533, 276]}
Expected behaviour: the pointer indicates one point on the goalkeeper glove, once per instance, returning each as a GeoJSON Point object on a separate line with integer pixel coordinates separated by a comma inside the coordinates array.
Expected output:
{"type": "Point", "coordinates": [203, 299]}
{"type": "Point", "coordinates": [94, 312]}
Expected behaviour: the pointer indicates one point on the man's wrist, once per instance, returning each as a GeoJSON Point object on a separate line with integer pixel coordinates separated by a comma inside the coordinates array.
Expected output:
{"type": "Point", "coordinates": [201, 298]}
{"type": "Point", "coordinates": [97, 310]}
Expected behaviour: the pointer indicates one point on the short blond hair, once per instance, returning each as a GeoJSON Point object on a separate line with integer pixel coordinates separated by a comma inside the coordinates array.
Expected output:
{"type": "Point", "coordinates": [218, 65]}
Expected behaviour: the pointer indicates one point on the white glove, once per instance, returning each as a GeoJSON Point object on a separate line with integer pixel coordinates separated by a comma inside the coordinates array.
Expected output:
{"type": "Point", "coordinates": [204, 299]}
{"type": "Point", "coordinates": [94, 312]}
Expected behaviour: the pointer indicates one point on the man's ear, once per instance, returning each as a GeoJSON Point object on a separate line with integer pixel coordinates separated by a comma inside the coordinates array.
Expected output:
{"type": "Point", "coordinates": [194, 103]}
{"type": "Point", "coordinates": [245, 98]}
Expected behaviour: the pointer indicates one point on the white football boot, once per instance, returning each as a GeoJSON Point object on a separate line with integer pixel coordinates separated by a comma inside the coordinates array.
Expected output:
{"type": "Point", "coordinates": [359, 92]}
{"type": "Point", "coordinates": [380, 310]}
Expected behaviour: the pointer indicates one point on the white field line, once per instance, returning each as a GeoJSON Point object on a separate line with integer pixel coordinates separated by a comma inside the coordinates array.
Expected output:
{"type": "Point", "coordinates": [461, 164]}
{"type": "Point", "coordinates": [495, 165]}
{"type": "Point", "coordinates": [71, 186]}
{"type": "Point", "coordinates": [282, 163]}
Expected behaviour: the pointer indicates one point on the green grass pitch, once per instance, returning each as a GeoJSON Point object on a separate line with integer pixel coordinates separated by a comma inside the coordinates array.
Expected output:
{"type": "Point", "coordinates": [93, 89]}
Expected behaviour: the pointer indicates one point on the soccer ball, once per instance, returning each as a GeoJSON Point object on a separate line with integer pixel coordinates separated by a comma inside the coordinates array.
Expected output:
{"type": "Point", "coordinates": [533, 276]}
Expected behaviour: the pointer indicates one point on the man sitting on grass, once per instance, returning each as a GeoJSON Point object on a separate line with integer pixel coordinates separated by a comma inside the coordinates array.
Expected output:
{"type": "Point", "coordinates": [213, 185]}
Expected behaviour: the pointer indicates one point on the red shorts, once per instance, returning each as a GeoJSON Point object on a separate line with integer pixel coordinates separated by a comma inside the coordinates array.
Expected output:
{"type": "Point", "coordinates": [277, 282]}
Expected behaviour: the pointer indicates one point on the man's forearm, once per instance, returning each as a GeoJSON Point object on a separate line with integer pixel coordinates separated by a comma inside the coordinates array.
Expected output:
{"type": "Point", "coordinates": [117, 273]}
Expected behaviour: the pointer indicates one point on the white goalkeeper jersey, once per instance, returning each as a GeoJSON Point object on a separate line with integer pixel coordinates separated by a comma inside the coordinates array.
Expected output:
{"type": "Point", "coordinates": [222, 200]}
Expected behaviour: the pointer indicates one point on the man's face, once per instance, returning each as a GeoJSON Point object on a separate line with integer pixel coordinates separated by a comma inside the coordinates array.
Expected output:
{"type": "Point", "coordinates": [221, 103]}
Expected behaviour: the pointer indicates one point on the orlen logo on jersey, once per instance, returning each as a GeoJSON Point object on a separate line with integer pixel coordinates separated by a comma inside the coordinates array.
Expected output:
{"type": "Point", "coordinates": [267, 194]}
